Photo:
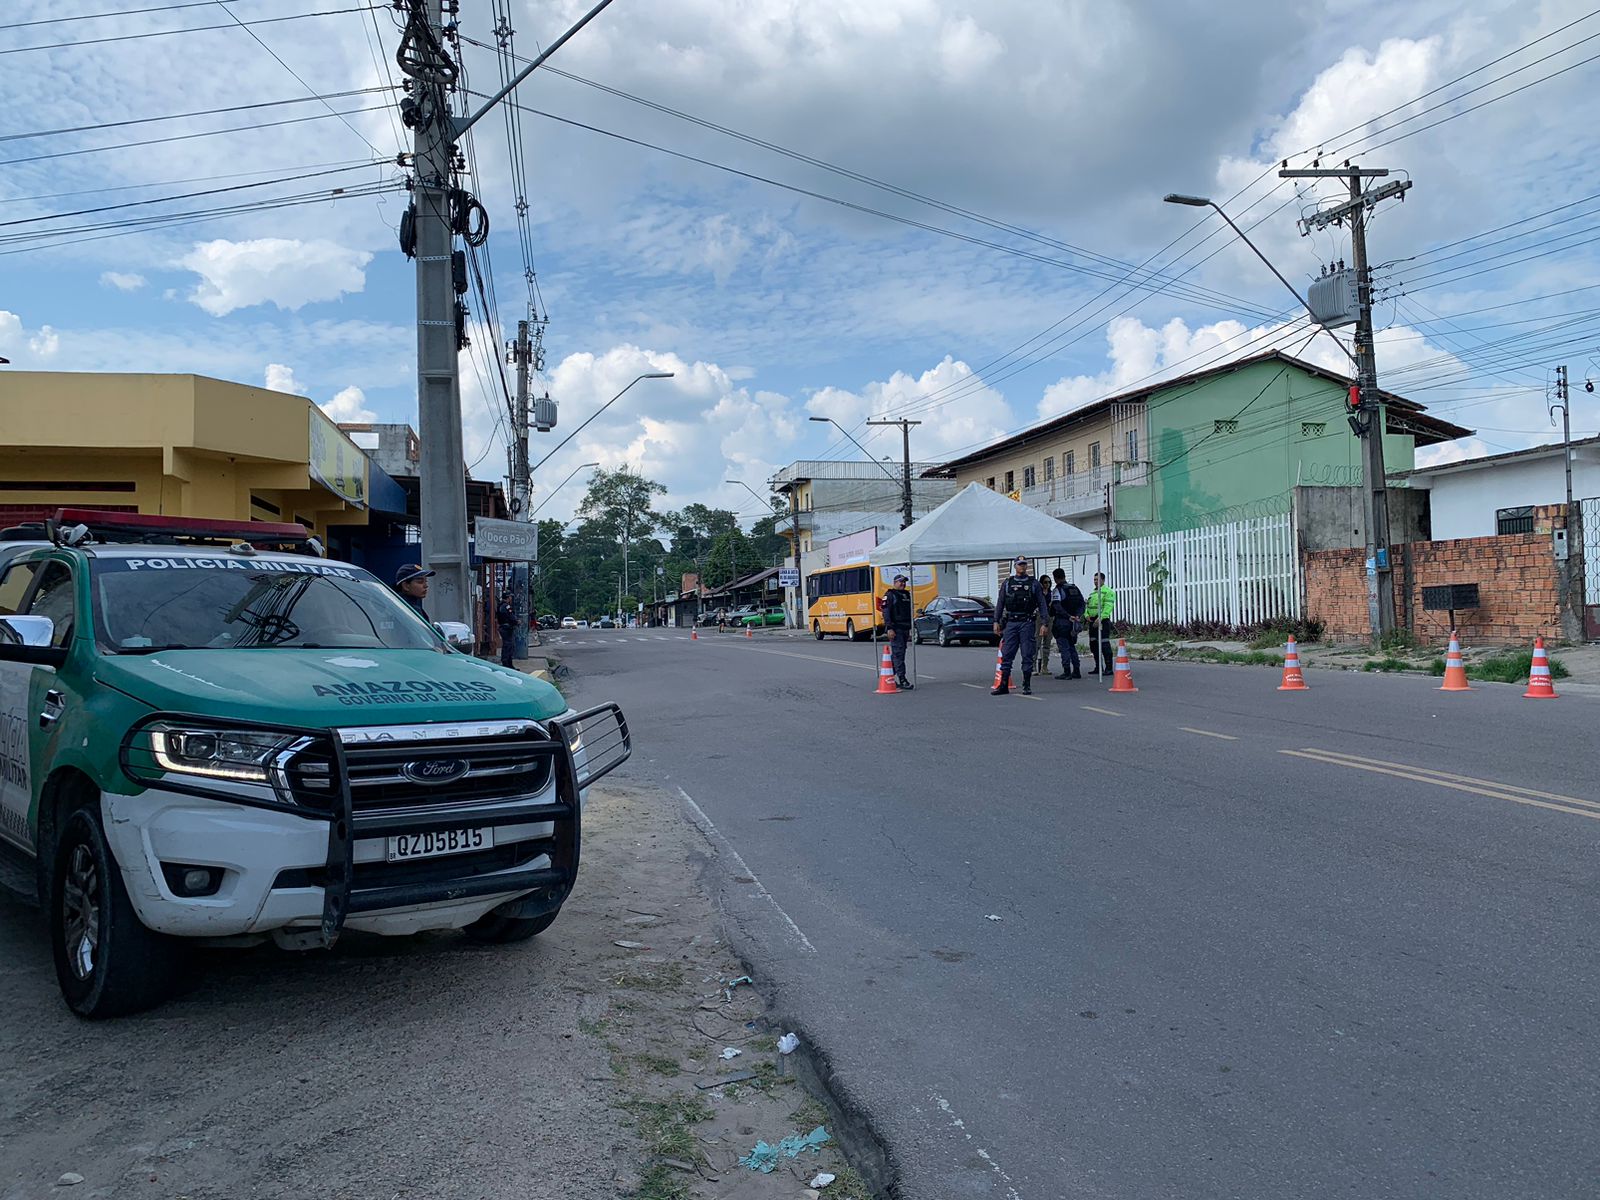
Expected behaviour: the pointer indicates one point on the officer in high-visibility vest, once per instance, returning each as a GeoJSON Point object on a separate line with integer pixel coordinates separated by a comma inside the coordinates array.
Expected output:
{"type": "Point", "coordinates": [1016, 620]}
{"type": "Point", "coordinates": [1098, 611]}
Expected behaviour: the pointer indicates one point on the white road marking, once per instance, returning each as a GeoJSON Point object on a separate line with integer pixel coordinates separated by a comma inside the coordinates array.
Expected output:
{"type": "Point", "coordinates": [723, 845]}
{"type": "Point", "coordinates": [958, 1124]}
{"type": "Point", "coordinates": [1227, 737]}
{"type": "Point", "coordinates": [1105, 712]}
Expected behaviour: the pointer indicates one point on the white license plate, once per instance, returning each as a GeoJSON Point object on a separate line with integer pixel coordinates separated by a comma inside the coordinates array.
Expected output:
{"type": "Point", "coordinates": [437, 842]}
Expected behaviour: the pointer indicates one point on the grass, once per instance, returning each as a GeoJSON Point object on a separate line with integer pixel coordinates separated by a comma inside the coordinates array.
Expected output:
{"type": "Point", "coordinates": [1509, 667]}
{"type": "Point", "coordinates": [663, 1183]}
{"type": "Point", "coordinates": [848, 1186]}
{"type": "Point", "coordinates": [664, 980]}
{"type": "Point", "coordinates": [1251, 658]}
{"type": "Point", "coordinates": [660, 1064]}
{"type": "Point", "coordinates": [1388, 664]}
{"type": "Point", "coordinates": [808, 1114]}
{"type": "Point", "coordinates": [666, 1124]}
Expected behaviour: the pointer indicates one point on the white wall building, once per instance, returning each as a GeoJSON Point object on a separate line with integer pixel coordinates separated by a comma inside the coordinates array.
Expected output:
{"type": "Point", "coordinates": [1483, 497]}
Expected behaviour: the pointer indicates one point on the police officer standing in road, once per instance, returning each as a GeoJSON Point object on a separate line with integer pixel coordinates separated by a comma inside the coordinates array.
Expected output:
{"type": "Point", "coordinates": [1098, 610]}
{"type": "Point", "coordinates": [1016, 621]}
{"type": "Point", "coordinates": [505, 619]}
{"type": "Point", "coordinates": [897, 620]}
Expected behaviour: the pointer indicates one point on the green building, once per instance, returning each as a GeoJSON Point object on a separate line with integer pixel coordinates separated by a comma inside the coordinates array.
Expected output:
{"type": "Point", "coordinates": [1233, 442]}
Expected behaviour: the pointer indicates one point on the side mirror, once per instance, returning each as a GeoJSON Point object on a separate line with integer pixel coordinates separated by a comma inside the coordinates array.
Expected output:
{"type": "Point", "coordinates": [26, 631]}
{"type": "Point", "coordinates": [27, 640]}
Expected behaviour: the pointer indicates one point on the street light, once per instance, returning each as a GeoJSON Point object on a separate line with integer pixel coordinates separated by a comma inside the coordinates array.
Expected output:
{"type": "Point", "coordinates": [858, 446]}
{"type": "Point", "coordinates": [1204, 202]}
{"type": "Point", "coordinates": [598, 411]}
{"type": "Point", "coordinates": [559, 486]}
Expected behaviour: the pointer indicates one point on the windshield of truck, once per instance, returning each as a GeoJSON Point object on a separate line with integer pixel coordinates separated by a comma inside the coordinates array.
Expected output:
{"type": "Point", "coordinates": [189, 602]}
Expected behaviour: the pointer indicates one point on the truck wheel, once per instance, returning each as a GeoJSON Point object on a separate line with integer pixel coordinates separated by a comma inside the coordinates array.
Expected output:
{"type": "Point", "coordinates": [494, 930]}
{"type": "Point", "coordinates": [107, 963]}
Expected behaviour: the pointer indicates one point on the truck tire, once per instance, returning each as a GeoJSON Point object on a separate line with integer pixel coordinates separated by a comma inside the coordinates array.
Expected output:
{"type": "Point", "coordinates": [107, 962]}
{"type": "Point", "coordinates": [491, 929]}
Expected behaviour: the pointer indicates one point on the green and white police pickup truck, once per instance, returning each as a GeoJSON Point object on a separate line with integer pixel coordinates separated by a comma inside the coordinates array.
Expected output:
{"type": "Point", "coordinates": [225, 742]}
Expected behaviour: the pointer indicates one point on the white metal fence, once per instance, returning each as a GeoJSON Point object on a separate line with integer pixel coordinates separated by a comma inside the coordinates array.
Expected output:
{"type": "Point", "coordinates": [1240, 573]}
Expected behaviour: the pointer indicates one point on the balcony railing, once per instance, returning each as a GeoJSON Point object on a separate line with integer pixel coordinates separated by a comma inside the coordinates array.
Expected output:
{"type": "Point", "coordinates": [1070, 495]}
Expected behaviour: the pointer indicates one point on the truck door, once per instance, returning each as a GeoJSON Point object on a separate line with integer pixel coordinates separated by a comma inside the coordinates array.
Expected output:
{"type": "Point", "coordinates": [16, 682]}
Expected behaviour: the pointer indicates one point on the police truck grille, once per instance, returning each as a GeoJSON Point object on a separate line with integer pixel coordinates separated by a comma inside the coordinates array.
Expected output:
{"type": "Point", "coordinates": [418, 775]}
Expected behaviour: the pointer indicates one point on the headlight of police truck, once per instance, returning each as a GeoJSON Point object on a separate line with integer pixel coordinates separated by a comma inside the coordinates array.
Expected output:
{"type": "Point", "coordinates": [235, 754]}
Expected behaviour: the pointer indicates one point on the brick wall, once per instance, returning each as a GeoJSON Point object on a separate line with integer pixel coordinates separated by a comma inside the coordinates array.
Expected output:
{"type": "Point", "coordinates": [1517, 576]}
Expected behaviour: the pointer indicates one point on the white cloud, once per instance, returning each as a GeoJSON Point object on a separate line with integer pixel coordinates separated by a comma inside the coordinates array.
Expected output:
{"type": "Point", "coordinates": [973, 414]}
{"type": "Point", "coordinates": [350, 405]}
{"type": "Point", "coordinates": [287, 272]}
{"type": "Point", "coordinates": [26, 349]}
{"type": "Point", "coordinates": [280, 378]}
{"type": "Point", "coordinates": [122, 281]}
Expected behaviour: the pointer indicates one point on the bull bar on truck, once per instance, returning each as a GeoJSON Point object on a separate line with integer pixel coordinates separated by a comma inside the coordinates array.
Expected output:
{"type": "Point", "coordinates": [311, 775]}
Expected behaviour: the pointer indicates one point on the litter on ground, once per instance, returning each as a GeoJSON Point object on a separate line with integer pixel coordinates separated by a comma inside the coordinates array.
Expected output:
{"type": "Point", "coordinates": [764, 1158]}
{"type": "Point", "coordinates": [731, 1052]}
{"type": "Point", "coordinates": [820, 1180]}
{"type": "Point", "coordinates": [788, 1044]}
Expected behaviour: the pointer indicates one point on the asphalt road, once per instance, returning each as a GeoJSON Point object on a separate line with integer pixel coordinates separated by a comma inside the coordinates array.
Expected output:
{"type": "Point", "coordinates": [1250, 944]}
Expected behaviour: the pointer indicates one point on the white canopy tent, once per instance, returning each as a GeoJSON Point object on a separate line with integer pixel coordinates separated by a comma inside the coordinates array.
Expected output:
{"type": "Point", "coordinates": [979, 524]}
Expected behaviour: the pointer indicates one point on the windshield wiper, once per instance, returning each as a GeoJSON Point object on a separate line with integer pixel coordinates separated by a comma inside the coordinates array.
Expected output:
{"type": "Point", "coordinates": [155, 649]}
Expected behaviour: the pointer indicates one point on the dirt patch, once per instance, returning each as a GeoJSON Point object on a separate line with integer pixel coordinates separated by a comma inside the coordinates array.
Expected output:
{"type": "Point", "coordinates": [569, 1067]}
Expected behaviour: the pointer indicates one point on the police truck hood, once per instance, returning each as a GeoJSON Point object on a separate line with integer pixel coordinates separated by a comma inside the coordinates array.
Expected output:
{"type": "Point", "coordinates": [330, 687]}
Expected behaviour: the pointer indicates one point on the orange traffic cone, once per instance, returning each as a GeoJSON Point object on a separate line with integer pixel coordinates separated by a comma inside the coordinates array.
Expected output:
{"type": "Point", "coordinates": [1121, 672]}
{"type": "Point", "coordinates": [694, 635]}
{"type": "Point", "coordinates": [1293, 680]}
{"type": "Point", "coordinates": [1539, 685]}
{"type": "Point", "coordinates": [886, 685]}
{"type": "Point", "coordinates": [999, 668]}
{"type": "Point", "coordinates": [748, 632]}
{"type": "Point", "coordinates": [1455, 672]}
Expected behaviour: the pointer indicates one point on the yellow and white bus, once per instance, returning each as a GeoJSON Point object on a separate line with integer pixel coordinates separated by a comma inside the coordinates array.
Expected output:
{"type": "Point", "coordinates": [844, 600]}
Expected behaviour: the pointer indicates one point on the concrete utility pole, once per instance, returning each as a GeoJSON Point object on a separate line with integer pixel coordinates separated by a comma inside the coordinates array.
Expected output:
{"type": "Point", "coordinates": [905, 437]}
{"type": "Point", "coordinates": [442, 468]}
{"type": "Point", "coordinates": [1370, 415]}
{"type": "Point", "coordinates": [1572, 570]}
{"type": "Point", "coordinates": [439, 210]}
{"type": "Point", "coordinates": [521, 485]}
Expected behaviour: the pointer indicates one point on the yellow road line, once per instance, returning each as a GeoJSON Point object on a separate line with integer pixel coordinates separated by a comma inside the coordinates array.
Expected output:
{"type": "Point", "coordinates": [1227, 737]}
{"type": "Point", "coordinates": [1504, 787]}
{"type": "Point", "coordinates": [1492, 790]}
{"type": "Point", "coordinates": [1106, 712]}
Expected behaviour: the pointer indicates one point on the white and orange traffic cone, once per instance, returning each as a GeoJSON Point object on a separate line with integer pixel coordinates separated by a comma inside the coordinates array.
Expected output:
{"type": "Point", "coordinates": [1540, 686]}
{"type": "Point", "coordinates": [1455, 671]}
{"type": "Point", "coordinates": [749, 632]}
{"type": "Point", "coordinates": [694, 635]}
{"type": "Point", "coordinates": [886, 685]}
{"type": "Point", "coordinates": [1121, 670]}
{"type": "Point", "coordinates": [999, 667]}
{"type": "Point", "coordinates": [1293, 679]}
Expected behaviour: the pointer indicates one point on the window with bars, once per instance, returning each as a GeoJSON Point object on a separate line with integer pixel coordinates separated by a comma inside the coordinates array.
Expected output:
{"type": "Point", "coordinates": [1514, 520]}
{"type": "Point", "coordinates": [1231, 425]}
{"type": "Point", "coordinates": [1094, 455]}
{"type": "Point", "coordinates": [1049, 469]}
{"type": "Point", "coordinates": [1028, 477]}
{"type": "Point", "coordinates": [1309, 429]}
{"type": "Point", "coordinates": [1011, 481]}
{"type": "Point", "coordinates": [1133, 445]}
{"type": "Point", "coordinates": [1069, 462]}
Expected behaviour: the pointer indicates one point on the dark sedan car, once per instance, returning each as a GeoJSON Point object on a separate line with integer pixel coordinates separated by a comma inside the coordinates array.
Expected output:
{"type": "Point", "coordinates": [956, 619]}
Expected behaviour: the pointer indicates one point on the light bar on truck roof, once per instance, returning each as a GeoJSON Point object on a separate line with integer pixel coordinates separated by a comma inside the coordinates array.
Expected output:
{"type": "Point", "coordinates": [138, 527]}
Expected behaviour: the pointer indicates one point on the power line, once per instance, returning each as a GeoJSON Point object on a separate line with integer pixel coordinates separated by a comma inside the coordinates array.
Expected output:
{"type": "Point", "coordinates": [129, 187]}
{"type": "Point", "coordinates": [130, 37]}
{"type": "Point", "coordinates": [310, 91]}
{"type": "Point", "coordinates": [199, 112]}
{"type": "Point", "coordinates": [127, 12]}
{"type": "Point", "coordinates": [184, 137]}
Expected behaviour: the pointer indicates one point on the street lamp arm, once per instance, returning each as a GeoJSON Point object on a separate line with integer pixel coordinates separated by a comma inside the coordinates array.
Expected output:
{"type": "Point", "coordinates": [1204, 202]}
{"type": "Point", "coordinates": [463, 124]}
{"type": "Point", "coordinates": [596, 413]}
{"type": "Point", "coordinates": [859, 446]}
{"type": "Point", "coordinates": [559, 486]}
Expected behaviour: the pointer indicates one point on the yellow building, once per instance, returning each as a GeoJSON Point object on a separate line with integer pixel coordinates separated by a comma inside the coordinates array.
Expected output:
{"type": "Point", "coordinates": [173, 445]}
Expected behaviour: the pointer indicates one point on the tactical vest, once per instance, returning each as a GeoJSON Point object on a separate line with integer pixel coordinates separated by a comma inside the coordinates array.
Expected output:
{"type": "Point", "coordinates": [1020, 599]}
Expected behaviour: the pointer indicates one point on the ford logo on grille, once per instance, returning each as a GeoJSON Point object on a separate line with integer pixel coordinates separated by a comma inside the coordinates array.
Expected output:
{"type": "Point", "coordinates": [435, 770]}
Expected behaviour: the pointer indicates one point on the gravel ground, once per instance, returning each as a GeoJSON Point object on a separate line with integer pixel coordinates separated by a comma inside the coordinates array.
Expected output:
{"type": "Point", "coordinates": [422, 1067]}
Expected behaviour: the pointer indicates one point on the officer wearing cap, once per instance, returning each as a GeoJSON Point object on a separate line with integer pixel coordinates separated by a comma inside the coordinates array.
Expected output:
{"type": "Point", "coordinates": [897, 620]}
{"type": "Point", "coordinates": [411, 581]}
{"type": "Point", "coordinates": [1016, 620]}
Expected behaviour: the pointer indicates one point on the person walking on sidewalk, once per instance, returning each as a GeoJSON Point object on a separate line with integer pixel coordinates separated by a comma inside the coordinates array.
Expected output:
{"type": "Point", "coordinates": [1098, 611]}
{"type": "Point", "coordinates": [505, 619]}
{"type": "Point", "coordinates": [1016, 621]}
{"type": "Point", "coordinates": [1066, 613]}
{"type": "Point", "coordinates": [897, 620]}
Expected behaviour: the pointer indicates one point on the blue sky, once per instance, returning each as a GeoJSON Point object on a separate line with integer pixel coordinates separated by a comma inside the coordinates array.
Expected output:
{"type": "Point", "coordinates": [1064, 122]}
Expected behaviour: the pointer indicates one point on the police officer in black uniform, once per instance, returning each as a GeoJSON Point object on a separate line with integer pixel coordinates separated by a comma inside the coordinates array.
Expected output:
{"type": "Point", "coordinates": [1016, 620]}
